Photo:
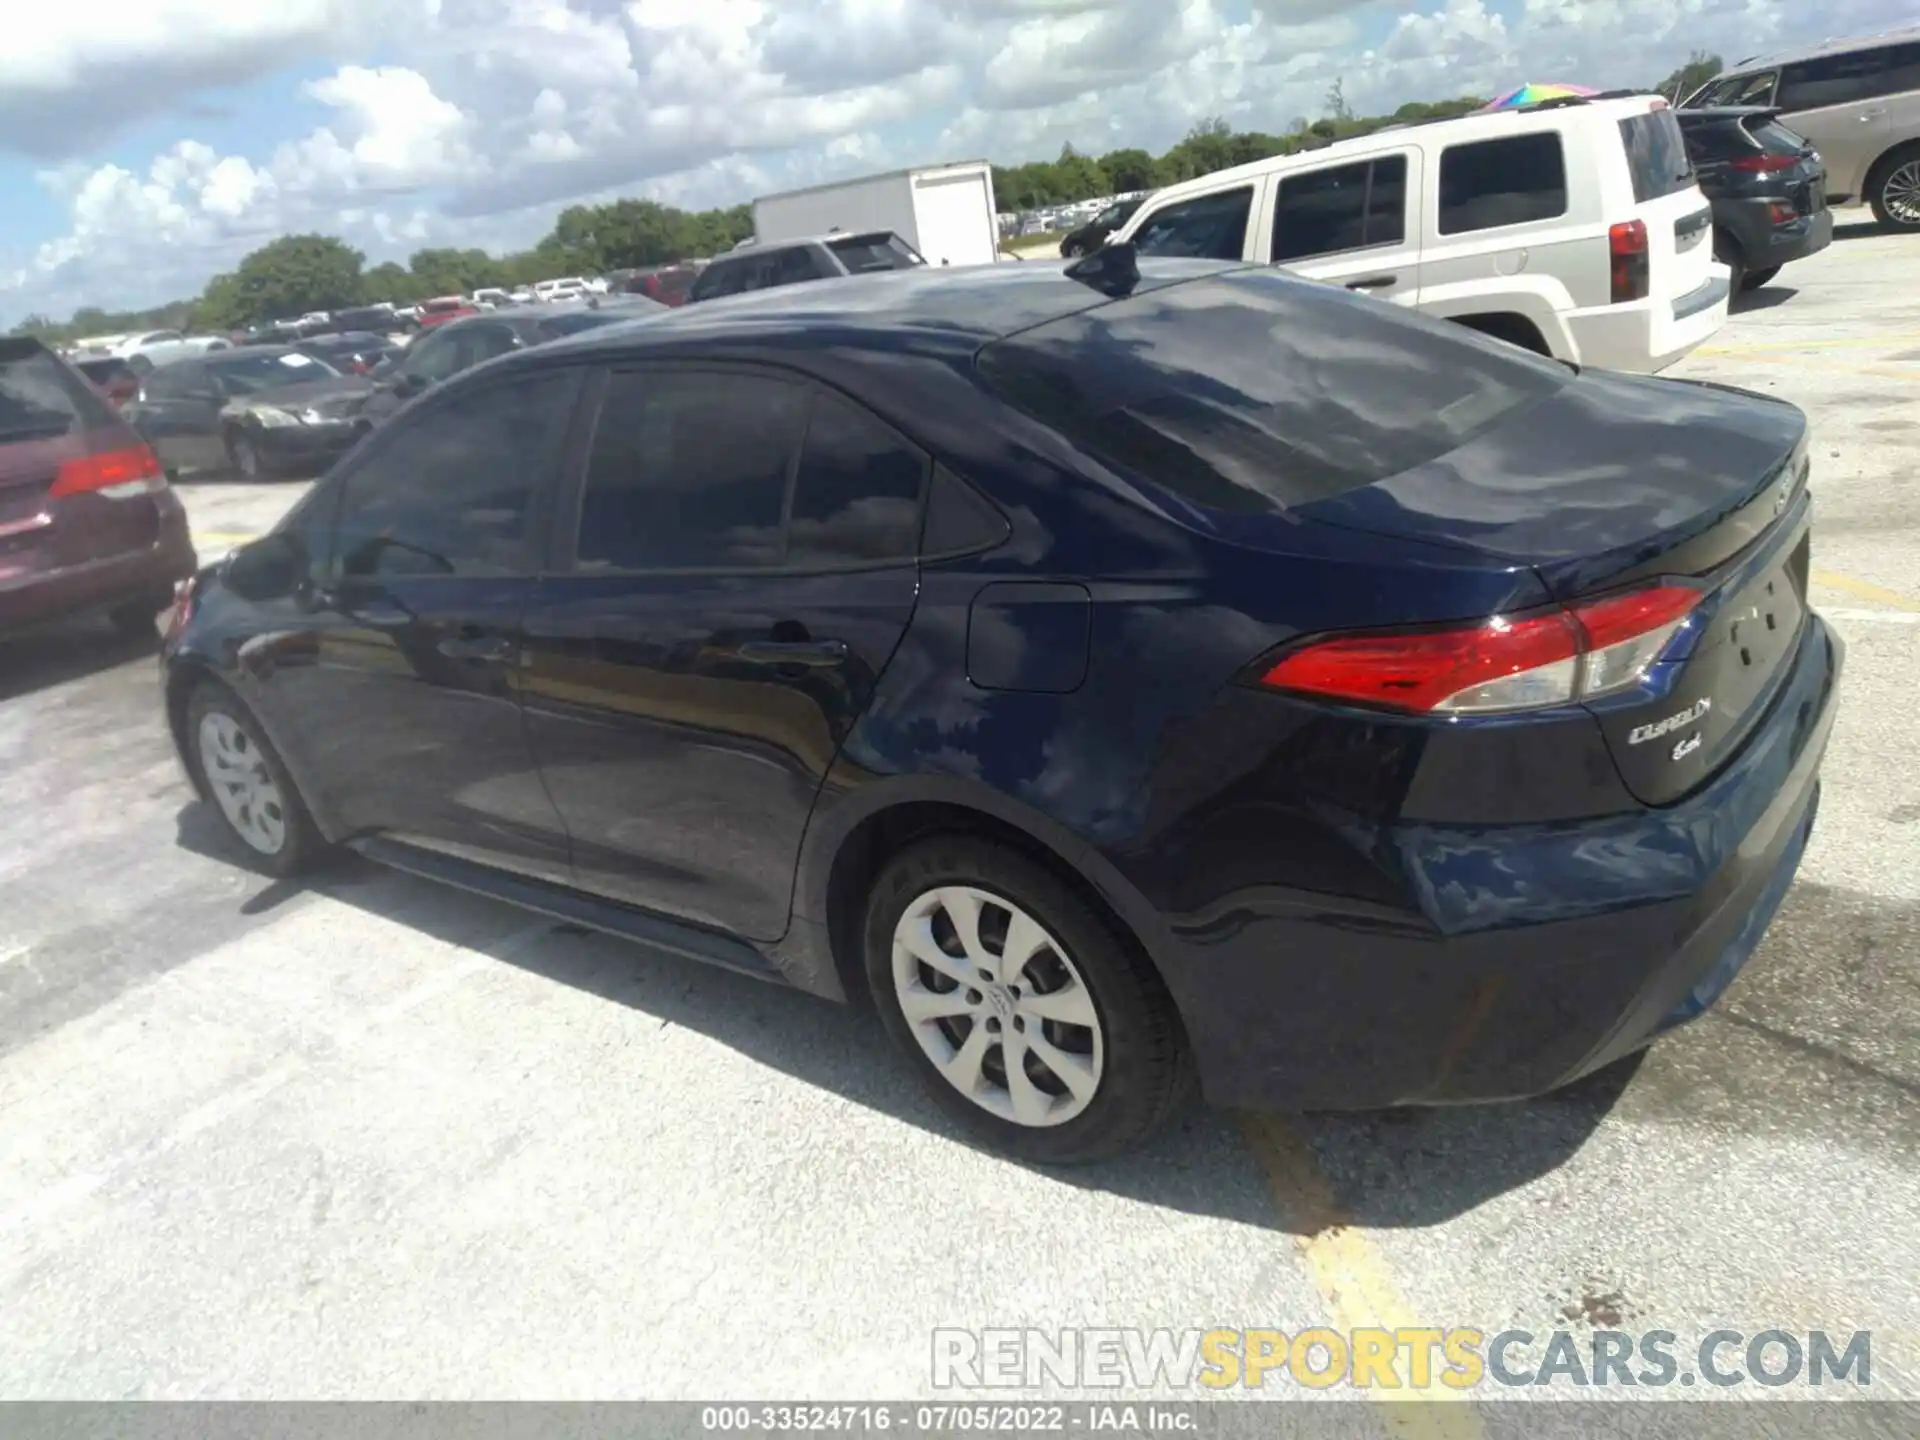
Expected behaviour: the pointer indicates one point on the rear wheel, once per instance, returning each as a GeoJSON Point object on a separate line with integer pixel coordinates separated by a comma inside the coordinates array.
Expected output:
{"type": "Point", "coordinates": [1727, 251]}
{"type": "Point", "coordinates": [250, 787]}
{"type": "Point", "coordinates": [1894, 190]}
{"type": "Point", "coordinates": [1756, 278]}
{"type": "Point", "coordinates": [1026, 1017]}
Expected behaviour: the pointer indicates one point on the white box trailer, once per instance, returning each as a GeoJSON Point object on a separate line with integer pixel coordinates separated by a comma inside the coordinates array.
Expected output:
{"type": "Point", "coordinates": [946, 212]}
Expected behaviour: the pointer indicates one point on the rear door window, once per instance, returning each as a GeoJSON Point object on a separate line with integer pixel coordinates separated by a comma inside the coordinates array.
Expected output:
{"type": "Point", "coordinates": [688, 471]}
{"type": "Point", "coordinates": [1207, 227]}
{"type": "Point", "coordinates": [1256, 392]}
{"type": "Point", "coordinates": [1656, 155]}
{"type": "Point", "coordinates": [1737, 90]}
{"type": "Point", "coordinates": [1344, 207]}
{"type": "Point", "coordinates": [1514, 180]}
{"type": "Point", "coordinates": [856, 495]}
{"type": "Point", "coordinates": [1833, 80]}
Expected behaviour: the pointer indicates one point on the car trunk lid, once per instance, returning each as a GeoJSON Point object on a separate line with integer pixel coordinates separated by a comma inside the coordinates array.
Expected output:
{"type": "Point", "coordinates": [1623, 481]}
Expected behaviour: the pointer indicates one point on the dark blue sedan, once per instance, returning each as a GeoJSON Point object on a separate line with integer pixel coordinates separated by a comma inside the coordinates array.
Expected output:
{"type": "Point", "coordinates": [1118, 673]}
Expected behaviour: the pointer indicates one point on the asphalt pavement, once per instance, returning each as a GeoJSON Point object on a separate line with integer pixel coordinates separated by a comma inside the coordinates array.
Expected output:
{"type": "Point", "coordinates": [372, 1138]}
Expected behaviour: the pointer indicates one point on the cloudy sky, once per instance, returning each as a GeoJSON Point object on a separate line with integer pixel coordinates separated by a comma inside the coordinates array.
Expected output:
{"type": "Point", "coordinates": [149, 144]}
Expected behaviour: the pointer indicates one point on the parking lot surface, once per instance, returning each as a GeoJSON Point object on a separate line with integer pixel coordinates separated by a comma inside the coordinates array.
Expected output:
{"type": "Point", "coordinates": [373, 1138]}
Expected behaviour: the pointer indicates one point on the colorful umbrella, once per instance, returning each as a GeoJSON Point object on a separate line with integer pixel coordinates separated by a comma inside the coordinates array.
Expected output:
{"type": "Point", "coordinates": [1534, 94]}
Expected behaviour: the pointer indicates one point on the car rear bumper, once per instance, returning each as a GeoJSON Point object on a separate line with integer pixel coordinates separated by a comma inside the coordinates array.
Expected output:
{"type": "Point", "coordinates": [1546, 951]}
{"type": "Point", "coordinates": [1765, 245]}
{"type": "Point", "coordinates": [36, 596]}
{"type": "Point", "coordinates": [1646, 336]}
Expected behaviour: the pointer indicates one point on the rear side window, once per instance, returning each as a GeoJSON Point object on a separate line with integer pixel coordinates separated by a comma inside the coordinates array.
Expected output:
{"type": "Point", "coordinates": [1347, 207]}
{"type": "Point", "coordinates": [1656, 155]}
{"type": "Point", "coordinates": [689, 471]}
{"type": "Point", "coordinates": [1777, 139]}
{"type": "Point", "coordinates": [40, 398]}
{"type": "Point", "coordinates": [722, 277]}
{"type": "Point", "coordinates": [1256, 391]}
{"type": "Point", "coordinates": [1510, 181]}
{"type": "Point", "coordinates": [1834, 80]}
{"type": "Point", "coordinates": [856, 496]}
{"type": "Point", "coordinates": [863, 253]}
{"type": "Point", "coordinates": [1209, 227]}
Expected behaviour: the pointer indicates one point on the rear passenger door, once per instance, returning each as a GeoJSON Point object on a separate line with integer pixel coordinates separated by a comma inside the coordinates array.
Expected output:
{"type": "Point", "coordinates": [1350, 225]}
{"type": "Point", "coordinates": [729, 578]}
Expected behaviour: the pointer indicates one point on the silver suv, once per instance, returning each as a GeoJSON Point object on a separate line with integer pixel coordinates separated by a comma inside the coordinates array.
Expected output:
{"type": "Point", "coordinates": [1858, 101]}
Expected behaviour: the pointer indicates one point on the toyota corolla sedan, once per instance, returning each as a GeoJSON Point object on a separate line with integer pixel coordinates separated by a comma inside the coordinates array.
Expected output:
{"type": "Point", "coordinates": [1117, 673]}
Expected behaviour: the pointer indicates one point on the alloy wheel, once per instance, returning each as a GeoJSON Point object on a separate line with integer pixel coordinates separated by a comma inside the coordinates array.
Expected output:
{"type": "Point", "coordinates": [998, 1006]}
{"type": "Point", "coordinates": [243, 786]}
{"type": "Point", "coordinates": [1900, 194]}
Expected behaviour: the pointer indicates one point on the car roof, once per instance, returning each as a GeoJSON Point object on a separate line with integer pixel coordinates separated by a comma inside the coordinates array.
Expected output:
{"type": "Point", "coordinates": [1843, 46]}
{"type": "Point", "coordinates": [935, 310]}
{"type": "Point", "coordinates": [1608, 107]}
{"type": "Point", "coordinates": [760, 247]}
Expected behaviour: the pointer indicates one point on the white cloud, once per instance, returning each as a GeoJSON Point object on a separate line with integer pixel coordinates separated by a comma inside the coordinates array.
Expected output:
{"type": "Point", "coordinates": [473, 121]}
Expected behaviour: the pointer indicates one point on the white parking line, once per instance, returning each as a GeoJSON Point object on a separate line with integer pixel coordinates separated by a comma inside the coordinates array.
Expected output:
{"type": "Point", "coordinates": [1877, 617]}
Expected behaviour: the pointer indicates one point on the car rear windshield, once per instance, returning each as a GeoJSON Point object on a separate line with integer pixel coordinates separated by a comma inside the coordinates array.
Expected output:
{"type": "Point", "coordinates": [1257, 391]}
{"type": "Point", "coordinates": [1656, 155]}
{"type": "Point", "coordinates": [250, 371]}
{"type": "Point", "coordinates": [40, 398]}
{"type": "Point", "coordinates": [1777, 139]}
{"type": "Point", "coordinates": [863, 253]}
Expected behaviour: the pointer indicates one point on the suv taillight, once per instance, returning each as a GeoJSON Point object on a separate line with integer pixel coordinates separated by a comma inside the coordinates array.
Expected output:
{"type": "Point", "coordinates": [116, 474]}
{"type": "Point", "coordinates": [1627, 246]}
{"type": "Point", "coordinates": [1762, 164]}
{"type": "Point", "coordinates": [1528, 662]}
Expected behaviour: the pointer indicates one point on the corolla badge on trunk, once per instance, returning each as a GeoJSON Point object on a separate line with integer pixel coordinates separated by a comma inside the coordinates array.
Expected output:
{"type": "Point", "coordinates": [1640, 734]}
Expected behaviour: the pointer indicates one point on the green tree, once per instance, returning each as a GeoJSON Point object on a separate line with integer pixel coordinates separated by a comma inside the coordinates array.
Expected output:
{"type": "Point", "coordinates": [452, 272]}
{"type": "Point", "coordinates": [288, 276]}
{"type": "Point", "coordinates": [1129, 169]}
{"type": "Point", "coordinates": [1079, 177]}
{"type": "Point", "coordinates": [1337, 107]}
{"type": "Point", "coordinates": [392, 283]}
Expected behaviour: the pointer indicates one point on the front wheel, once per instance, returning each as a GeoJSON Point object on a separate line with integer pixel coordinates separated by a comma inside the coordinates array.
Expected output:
{"type": "Point", "coordinates": [1756, 278]}
{"type": "Point", "coordinates": [1027, 1018]}
{"type": "Point", "coordinates": [1894, 192]}
{"type": "Point", "coordinates": [250, 786]}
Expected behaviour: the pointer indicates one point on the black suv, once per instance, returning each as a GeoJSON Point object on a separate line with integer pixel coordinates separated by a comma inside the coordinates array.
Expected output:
{"type": "Point", "coordinates": [1767, 186]}
{"type": "Point", "coordinates": [791, 262]}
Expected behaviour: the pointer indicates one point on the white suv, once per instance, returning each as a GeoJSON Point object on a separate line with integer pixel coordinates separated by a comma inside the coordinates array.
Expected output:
{"type": "Point", "coordinates": [1573, 228]}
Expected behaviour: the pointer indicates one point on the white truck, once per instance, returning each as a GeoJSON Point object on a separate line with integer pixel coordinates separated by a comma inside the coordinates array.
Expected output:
{"type": "Point", "coordinates": [946, 212]}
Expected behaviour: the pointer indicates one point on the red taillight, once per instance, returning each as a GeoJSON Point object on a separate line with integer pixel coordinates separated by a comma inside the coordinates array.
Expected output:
{"type": "Point", "coordinates": [1627, 244]}
{"type": "Point", "coordinates": [1763, 164]}
{"type": "Point", "coordinates": [1524, 663]}
{"type": "Point", "coordinates": [116, 474]}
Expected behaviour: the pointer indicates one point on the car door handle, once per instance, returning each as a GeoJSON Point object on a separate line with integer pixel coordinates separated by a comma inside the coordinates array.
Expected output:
{"type": "Point", "coordinates": [1373, 282]}
{"type": "Point", "coordinates": [497, 648]}
{"type": "Point", "coordinates": [817, 654]}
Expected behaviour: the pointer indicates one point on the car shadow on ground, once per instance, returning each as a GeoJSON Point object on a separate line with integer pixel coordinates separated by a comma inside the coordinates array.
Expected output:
{"type": "Point", "coordinates": [67, 650]}
{"type": "Point", "coordinates": [1395, 1168]}
{"type": "Point", "coordinates": [1859, 230]}
{"type": "Point", "coordinates": [1765, 298]}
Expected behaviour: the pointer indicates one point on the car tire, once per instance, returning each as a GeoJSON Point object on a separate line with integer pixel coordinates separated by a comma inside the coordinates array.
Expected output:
{"type": "Point", "coordinates": [1102, 1059]}
{"type": "Point", "coordinates": [1727, 251]}
{"type": "Point", "coordinates": [1893, 190]}
{"type": "Point", "coordinates": [1754, 279]}
{"type": "Point", "coordinates": [243, 456]}
{"type": "Point", "coordinates": [257, 801]}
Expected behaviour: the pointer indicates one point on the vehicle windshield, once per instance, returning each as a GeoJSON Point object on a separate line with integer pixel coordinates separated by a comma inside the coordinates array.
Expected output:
{"type": "Point", "coordinates": [862, 254]}
{"type": "Point", "coordinates": [247, 373]}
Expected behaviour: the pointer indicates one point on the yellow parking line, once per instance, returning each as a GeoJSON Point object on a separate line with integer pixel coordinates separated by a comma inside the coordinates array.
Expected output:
{"type": "Point", "coordinates": [1865, 590]}
{"type": "Point", "coordinates": [1888, 370]}
{"type": "Point", "coordinates": [1353, 1280]}
{"type": "Point", "coordinates": [1851, 342]}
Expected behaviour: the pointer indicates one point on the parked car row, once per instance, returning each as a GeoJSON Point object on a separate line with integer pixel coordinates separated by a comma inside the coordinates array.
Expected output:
{"type": "Point", "coordinates": [827, 635]}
